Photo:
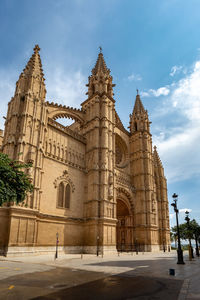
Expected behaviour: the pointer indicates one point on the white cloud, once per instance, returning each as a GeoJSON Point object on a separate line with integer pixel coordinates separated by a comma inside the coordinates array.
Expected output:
{"type": "Point", "coordinates": [134, 77]}
{"type": "Point", "coordinates": [66, 88]}
{"type": "Point", "coordinates": [179, 145]}
{"type": "Point", "coordinates": [7, 87]}
{"type": "Point", "coordinates": [183, 210]}
{"type": "Point", "coordinates": [175, 70]}
{"type": "Point", "coordinates": [62, 87]}
{"type": "Point", "coordinates": [144, 94]}
{"type": "Point", "coordinates": [181, 154]}
{"type": "Point", "coordinates": [162, 91]}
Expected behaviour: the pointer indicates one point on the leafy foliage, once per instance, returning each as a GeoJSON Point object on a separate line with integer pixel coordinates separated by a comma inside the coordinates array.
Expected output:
{"type": "Point", "coordinates": [14, 182]}
{"type": "Point", "coordinates": [190, 231]}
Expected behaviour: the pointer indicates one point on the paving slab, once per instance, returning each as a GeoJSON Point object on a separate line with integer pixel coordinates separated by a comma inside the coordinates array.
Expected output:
{"type": "Point", "coordinates": [149, 266]}
{"type": "Point", "coordinates": [118, 287]}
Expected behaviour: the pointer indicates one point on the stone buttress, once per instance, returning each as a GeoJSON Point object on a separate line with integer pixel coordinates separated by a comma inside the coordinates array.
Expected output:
{"type": "Point", "coordinates": [100, 204]}
{"type": "Point", "coordinates": [142, 174]}
{"type": "Point", "coordinates": [161, 194]}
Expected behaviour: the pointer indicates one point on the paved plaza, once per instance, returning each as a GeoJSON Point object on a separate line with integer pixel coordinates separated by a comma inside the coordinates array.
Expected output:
{"type": "Point", "coordinates": [125, 276]}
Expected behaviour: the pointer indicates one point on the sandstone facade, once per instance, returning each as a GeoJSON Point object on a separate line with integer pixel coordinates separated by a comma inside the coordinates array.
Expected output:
{"type": "Point", "coordinates": [97, 186]}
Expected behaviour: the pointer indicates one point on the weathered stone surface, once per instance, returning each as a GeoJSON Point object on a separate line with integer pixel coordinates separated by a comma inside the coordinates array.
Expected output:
{"type": "Point", "coordinates": [97, 186]}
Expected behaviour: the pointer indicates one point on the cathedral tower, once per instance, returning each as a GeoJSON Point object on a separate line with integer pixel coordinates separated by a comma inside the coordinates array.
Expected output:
{"type": "Point", "coordinates": [142, 176]}
{"type": "Point", "coordinates": [25, 122]}
{"type": "Point", "coordinates": [98, 130]}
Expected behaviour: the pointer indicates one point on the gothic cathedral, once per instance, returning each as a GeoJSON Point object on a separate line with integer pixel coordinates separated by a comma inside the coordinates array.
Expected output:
{"type": "Point", "coordinates": [97, 187]}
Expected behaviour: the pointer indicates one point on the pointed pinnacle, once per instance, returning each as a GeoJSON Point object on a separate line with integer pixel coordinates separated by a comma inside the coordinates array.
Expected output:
{"type": "Point", "coordinates": [100, 65]}
{"type": "Point", "coordinates": [34, 65]}
{"type": "Point", "coordinates": [36, 48]}
{"type": "Point", "coordinates": [156, 156]}
{"type": "Point", "coordinates": [138, 107]}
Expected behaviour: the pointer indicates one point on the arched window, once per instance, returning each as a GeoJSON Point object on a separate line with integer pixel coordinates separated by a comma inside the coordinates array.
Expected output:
{"type": "Point", "coordinates": [64, 195]}
{"type": "Point", "coordinates": [61, 195]}
{"type": "Point", "coordinates": [50, 148]}
{"type": "Point", "coordinates": [54, 150]}
{"type": "Point", "coordinates": [67, 196]}
{"type": "Point", "coordinates": [136, 126]}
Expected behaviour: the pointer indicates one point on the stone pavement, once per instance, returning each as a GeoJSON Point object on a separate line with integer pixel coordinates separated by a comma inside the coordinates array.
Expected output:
{"type": "Point", "coordinates": [148, 265]}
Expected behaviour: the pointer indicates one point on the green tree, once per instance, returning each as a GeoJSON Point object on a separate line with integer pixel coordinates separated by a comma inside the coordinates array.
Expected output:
{"type": "Point", "coordinates": [182, 229]}
{"type": "Point", "coordinates": [185, 231]}
{"type": "Point", "coordinates": [195, 229]}
{"type": "Point", "coordinates": [189, 232]}
{"type": "Point", "coordinates": [14, 182]}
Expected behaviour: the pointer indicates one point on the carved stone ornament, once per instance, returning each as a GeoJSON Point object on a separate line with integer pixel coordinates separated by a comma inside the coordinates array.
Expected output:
{"type": "Point", "coordinates": [110, 192]}
{"type": "Point", "coordinates": [121, 190]}
{"type": "Point", "coordinates": [65, 178]}
{"type": "Point", "coordinates": [110, 179]}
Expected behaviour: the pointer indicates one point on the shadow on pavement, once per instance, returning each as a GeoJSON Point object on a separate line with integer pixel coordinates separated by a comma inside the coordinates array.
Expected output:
{"type": "Point", "coordinates": [146, 279]}
{"type": "Point", "coordinates": [121, 288]}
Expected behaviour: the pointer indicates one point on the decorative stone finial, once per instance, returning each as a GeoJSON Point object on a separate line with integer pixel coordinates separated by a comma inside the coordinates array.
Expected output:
{"type": "Point", "coordinates": [32, 71]}
{"type": "Point", "coordinates": [37, 48]}
{"type": "Point", "coordinates": [100, 64]}
{"type": "Point", "coordinates": [100, 49]}
{"type": "Point", "coordinates": [137, 92]}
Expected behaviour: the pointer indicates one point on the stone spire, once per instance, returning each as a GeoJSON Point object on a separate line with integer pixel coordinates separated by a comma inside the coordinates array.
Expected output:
{"type": "Point", "coordinates": [32, 78]}
{"type": "Point", "coordinates": [100, 82]}
{"type": "Point", "coordinates": [156, 157]}
{"type": "Point", "coordinates": [138, 107]}
{"type": "Point", "coordinates": [139, 120]}
{"type": "Point", "coordinates": [100, 66]}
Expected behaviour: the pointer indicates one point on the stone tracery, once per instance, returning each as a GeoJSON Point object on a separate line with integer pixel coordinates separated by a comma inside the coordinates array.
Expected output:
{"type": "Point", "coordinates": [64, 178]}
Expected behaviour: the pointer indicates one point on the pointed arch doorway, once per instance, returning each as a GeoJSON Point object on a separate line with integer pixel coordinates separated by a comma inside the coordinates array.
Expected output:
{"type": "Point", "coordinates": [124, 227]}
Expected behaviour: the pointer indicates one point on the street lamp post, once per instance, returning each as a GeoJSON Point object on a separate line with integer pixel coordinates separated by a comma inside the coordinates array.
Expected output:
{"type": "Point", "coordinates": [163, 245]}
{"type": "Point", "coordinates": [136, 245]}
{"type": "Point", "coordinates": [179, 251]}
{"type": "Point", "coordinates": [187, 219]}
{"type": "Point", "coordinates": [56, 254]}
{"type": "Point", "coordinates": [97, 245]}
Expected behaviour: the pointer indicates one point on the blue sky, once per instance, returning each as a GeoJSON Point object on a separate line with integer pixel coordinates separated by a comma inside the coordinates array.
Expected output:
{"type": "Point", "coordinates": [151, 45]}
